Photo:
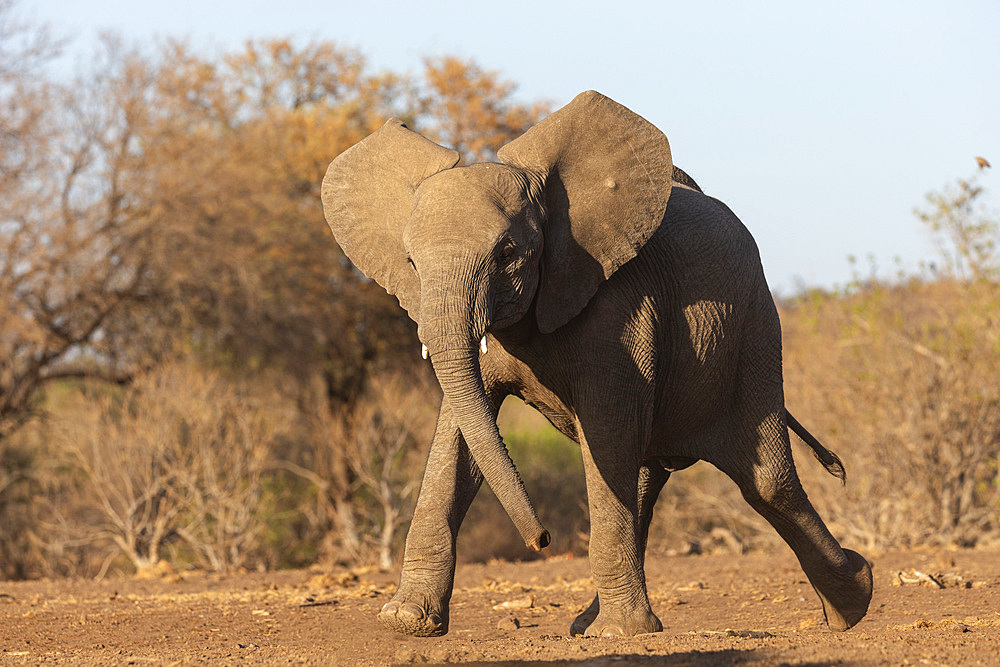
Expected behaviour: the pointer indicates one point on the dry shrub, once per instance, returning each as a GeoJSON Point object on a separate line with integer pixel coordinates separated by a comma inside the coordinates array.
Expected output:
{"type": "Point", "coordinates": [902, 381]}
{"type": "Point", "coordinates": [552, 469]}
{"type": "Point", "coordinates": [367, 463]}
{"type": "Point", "coordinates": [177, 460]}
{"type": "Point", "coordinates": [21, 484]}
{"type": "Point", "coordinates": [701, 510]}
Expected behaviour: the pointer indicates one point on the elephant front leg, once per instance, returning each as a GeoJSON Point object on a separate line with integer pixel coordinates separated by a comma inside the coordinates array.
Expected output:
{"type": "Point", "coordinates": [616, 549]}
{"type": "Point", "coordinates": [451, 480]}
{"type": "Point", "coordinates": [652, 477]}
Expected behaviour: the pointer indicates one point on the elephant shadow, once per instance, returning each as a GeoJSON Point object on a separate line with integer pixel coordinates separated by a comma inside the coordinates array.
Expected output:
{"type": "Point", "coordinates": [716, 658]}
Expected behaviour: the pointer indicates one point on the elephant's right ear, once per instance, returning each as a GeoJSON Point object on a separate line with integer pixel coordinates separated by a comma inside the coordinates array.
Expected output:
{"type": "Point", "coordinates": [367, 197]}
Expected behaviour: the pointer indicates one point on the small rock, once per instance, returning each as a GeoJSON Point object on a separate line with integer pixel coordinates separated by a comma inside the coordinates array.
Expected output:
{"type": "Point", "coordinates": [406, 655]}
{"type": "Point", "coordinates": [526, 602]}
{"type": "Point", "coordinates": [439, 655]}
{"type": "Point", "coordinates": [693, 586]}
{"type": "Point", "coordinates": [508, 624]}
{"type": "Point", "coordinates": [162, 569]}
{"type": "Point", "coordinates": [748, 634]}
{"type": "Point", "coordinates": [330, 580]}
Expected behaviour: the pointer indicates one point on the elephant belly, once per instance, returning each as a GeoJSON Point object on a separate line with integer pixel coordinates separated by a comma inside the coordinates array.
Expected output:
{"type": "Point", "coordinates": [696, 377]}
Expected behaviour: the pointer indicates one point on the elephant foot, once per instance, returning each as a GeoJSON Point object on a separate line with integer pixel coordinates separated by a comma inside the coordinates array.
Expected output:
{"type": "Point", "coordinates": [848, 603]}
{"type": "Point", "coordinates": [412, 618]}
{"type": "Point", "coordinates": [584, 620]}
{"type": "Point", "coordinates": [612, 623]}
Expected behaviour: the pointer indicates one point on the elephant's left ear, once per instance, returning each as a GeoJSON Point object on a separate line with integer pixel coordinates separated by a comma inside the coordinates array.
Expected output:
{"type": "Point", "coordinates": [607, 174]}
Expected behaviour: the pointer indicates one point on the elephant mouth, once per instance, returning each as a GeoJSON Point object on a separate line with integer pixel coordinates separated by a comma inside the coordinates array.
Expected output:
{"type": "Point", "coordinates": [483, 347]}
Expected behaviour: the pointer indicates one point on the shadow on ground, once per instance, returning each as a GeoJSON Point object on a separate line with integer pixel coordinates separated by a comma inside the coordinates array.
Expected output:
{"type": "Point", "coordinates": [699, 658]}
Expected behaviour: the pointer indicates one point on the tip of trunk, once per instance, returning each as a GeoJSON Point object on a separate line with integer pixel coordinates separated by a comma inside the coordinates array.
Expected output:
{"type": "Point", "coordinates": [539, 541]}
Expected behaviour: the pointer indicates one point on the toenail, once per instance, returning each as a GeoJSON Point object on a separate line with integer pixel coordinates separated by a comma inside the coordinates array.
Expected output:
{"type": "Point", "coordinates": [413, 609]}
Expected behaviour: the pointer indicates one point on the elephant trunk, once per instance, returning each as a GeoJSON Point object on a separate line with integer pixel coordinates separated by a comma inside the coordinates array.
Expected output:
{"type": "Point", "coordinates": [455, 358]}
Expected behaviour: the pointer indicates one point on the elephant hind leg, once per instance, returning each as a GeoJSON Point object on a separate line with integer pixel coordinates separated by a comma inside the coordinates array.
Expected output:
{"type": "Point", "coordinates": [652, 477]}
{"type": "Point", "coordinates": [768, 481]}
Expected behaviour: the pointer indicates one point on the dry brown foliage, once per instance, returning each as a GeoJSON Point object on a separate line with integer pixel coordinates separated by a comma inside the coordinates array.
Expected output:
{"type": "Point", "coordinates": [162, 206]}
{"type": "Point", "coordinates": [366, 464]}
{"type": "Point", "coordinates": [904, 384]}
{"type": "Point", "coordinates": [470, 110]}
{"type": "Point", "coordinates": [177, 460]}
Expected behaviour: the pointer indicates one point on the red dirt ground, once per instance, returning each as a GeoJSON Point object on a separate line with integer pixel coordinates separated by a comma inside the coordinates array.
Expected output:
{"type": "Point", "coordinates": [716, 610]}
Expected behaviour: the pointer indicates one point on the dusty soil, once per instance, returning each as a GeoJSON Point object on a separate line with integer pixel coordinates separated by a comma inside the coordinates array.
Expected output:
{"type": "Point", "coordinates": [716, 610]}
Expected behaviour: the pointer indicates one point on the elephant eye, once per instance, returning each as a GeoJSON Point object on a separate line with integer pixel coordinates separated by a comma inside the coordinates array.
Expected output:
{"type": "Point", "coordinates": [508, 251]}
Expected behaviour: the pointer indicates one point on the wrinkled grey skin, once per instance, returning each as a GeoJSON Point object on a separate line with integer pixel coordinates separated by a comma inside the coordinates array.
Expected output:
{"type": "Point", "coordinates": [618, 300]}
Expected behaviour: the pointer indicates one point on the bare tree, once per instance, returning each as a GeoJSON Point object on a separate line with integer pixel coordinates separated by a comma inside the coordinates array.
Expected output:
{"type": "Point", "coordinates": [24, 46]}
{"type": "Point", "coordinates": [367, 465]}
{"type": "Point", "coordinates": [70, 249]}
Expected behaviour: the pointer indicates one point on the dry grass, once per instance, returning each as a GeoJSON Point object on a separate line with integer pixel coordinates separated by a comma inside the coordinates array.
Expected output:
{"type": "Point", "coordinates": [903, 383]}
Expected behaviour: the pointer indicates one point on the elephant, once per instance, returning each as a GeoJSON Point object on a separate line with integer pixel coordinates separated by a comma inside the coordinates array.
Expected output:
{"type": "Point", "coordinates": [588, 276]}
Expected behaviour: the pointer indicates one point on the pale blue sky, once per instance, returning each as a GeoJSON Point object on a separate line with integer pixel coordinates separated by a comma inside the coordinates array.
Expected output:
{"type": "Point", "coordinates": [822, 124]}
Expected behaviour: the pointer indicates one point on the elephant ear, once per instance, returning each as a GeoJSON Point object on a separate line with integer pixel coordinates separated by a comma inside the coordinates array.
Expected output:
{"type": "Point", "coordinates": [367, 197]}
{"type": "Point", "coordinates": [607, 174]}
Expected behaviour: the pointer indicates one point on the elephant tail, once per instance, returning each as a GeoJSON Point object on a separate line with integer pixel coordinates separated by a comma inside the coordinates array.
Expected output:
{"type": "Point", "coordinates": [829, 460]}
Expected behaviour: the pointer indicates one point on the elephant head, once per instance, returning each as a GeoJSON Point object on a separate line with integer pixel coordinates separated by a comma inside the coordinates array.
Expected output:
{"type": "Point", "coordinates": [473, 249]}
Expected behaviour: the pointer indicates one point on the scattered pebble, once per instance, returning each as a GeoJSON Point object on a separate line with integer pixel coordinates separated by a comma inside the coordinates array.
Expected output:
{"type": "Point", "coordinates": [406, 655]}
{"type": "Point", "coordinates": [748, 634]}
{"type": "Point", "coordinates": [693, 586]}
{"type": "Point", "coordinates": [508, 624]}
{"type": "Point", "coordinates": [914, 577]}
{"type": "Point", "coordinates": [526, 602]}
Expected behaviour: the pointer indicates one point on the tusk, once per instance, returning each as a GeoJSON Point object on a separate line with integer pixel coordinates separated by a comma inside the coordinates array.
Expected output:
{"type": "Point", "coordinates": [423, 351]}
{"type": "Point", "coordinates": [482, 345]}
